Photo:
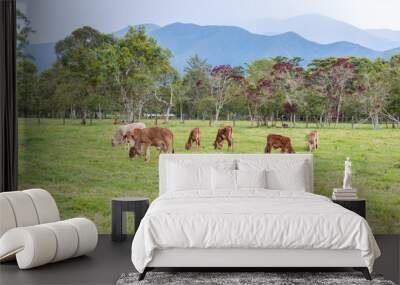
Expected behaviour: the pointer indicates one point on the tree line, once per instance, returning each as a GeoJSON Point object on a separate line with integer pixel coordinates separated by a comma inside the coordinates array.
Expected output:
{"type": "Point", "coordinates": [98, 74]}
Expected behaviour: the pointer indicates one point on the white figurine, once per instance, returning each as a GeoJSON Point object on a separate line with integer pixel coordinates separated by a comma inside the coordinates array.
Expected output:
{"type": "Point", "coordinates": [347, 174]}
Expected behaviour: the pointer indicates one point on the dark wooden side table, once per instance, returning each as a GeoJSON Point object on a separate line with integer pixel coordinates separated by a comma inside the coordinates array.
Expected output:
{"type": "Point", "coordinates": [120, 206]}
{"type": "Point", "coordinates": [357, 206]}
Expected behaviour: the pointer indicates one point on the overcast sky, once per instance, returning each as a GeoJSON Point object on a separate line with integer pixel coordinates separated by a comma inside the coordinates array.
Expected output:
{"type": "Point", "coordinates": [54, 19]}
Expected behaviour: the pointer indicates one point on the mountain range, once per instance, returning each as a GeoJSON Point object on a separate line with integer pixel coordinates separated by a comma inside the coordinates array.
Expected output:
{"type": "Point", "coordinates": [386, 33]}
{"type": "Point", "coordinates": [237, 46]}
{"type": "Point", "coordinates": [325, 30]}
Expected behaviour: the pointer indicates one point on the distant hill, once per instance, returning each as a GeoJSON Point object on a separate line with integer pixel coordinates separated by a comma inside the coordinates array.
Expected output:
{"type": "Point", "coordinates": [228, 45]}
{"type": "Point", "coordinates": [391, 52]}
{"type": "Point", "coordinates": [386, 34]}
{"type": "Point", "coordinates": [44, 54]}
{"type": "Point", "coordinates": [322, 29]}
{"type": "Point", "coordinates": [236, 46]}
{"type": "Point", "coordinates": [148, 27]}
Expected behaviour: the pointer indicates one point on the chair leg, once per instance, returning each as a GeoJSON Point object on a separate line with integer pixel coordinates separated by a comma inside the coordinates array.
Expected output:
{"type": "Point", "coordinates": [364, 271]}
{"type": "Point", "coordinates": [143, 274]}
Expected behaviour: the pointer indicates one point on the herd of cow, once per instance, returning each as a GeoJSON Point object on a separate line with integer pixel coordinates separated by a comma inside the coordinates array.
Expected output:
{"type": "Point", "coordinates": [139, 139]}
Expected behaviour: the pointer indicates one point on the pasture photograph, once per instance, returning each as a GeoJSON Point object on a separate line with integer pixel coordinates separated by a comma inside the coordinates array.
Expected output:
{"type": "Point", "coordinates": [241, 83]}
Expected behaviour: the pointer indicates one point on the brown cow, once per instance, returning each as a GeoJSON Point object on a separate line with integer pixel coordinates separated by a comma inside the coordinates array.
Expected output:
{"type": "Point", "coordinates": [225, 133]}
{"type": "Point", "coordinates": [313, 140]}
{"type": "Point", "coordinates": [194, 137]}
{"type": "Point", "coordinates": [161, 138]}
{"type": "Point", "coordinates": [278, 141]}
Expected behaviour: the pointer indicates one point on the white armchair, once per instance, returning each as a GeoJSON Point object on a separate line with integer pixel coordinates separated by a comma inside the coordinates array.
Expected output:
{"type": "Point", "coordinates": [31, 230]}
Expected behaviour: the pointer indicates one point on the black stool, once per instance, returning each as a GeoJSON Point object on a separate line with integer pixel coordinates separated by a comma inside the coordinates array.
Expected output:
{"type": "Point", "coordinates": [120, 206]}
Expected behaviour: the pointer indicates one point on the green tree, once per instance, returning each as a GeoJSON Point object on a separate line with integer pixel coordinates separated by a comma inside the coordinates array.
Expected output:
{"type": "Point", "coordinates": [260, 69]}
{"type": "Point", "coordinates": [26, 87]}
{"type": "Point", "coordinates": [195, 85]}
{"type": "Point", "coordinates": [26, 69]}
{"type": "Point", "coordinates": [65, 93]}
{"type": "Point", "coordinates": [167, 84]}
{"type": "Point", "coordinates": [259, 94]}
{"type": "Point", "coordinates": [133, 63]}
{"type": "Point", "coordinates": [24, 30]}
{"type": "Point", "coordinates": [222, 79]}
{"type": "Point", "coordinates": [333, 78]}
{"type": "Point", "coordinates": [46, 89]}
{"type": "Point", "coordinates": [313, 105]}
{"type": "Point", "coordinates": [80, 67]}
{"type": "Point", "coordinates": [206, 107]}
{"type": "Point", "coordinates": [393, 106]}
{"type": "Point", "coordinates": [288, 78]}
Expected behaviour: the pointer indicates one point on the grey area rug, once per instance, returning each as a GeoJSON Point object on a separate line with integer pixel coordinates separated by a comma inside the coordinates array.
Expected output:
{"type": "Point", "coordinates": [269, 278]}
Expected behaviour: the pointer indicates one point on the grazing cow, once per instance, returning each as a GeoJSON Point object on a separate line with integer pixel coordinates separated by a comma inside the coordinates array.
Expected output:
{"type": "Point", "coordinates": [122, 132]}
{"type": "Point", "coordinates": [278, 141]}
{"type": "Point", "coordinates": [313, 140]}
{"type": "Point", "coordinates": [194, 137]}
{"type": "Point", "coordinates": [161, 138]}
{"type": "Point", "coordinates": [225, 133]}
{"type": "Point", "coordinates": [134, 152]}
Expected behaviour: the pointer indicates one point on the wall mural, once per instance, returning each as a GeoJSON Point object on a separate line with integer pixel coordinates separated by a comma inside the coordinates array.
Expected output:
{"type": "Point", "coordinates": [270, 80]}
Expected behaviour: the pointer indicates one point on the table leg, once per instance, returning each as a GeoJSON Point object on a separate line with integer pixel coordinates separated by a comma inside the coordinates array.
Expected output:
{"type": "Point", "coordinates": [118, 222]}
{"type": "Point", "coordinates": [124, 221]}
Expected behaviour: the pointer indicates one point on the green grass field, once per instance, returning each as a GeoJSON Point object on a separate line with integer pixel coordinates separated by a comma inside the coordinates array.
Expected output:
{"type": "Point", "coordinates": [83, 172]}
